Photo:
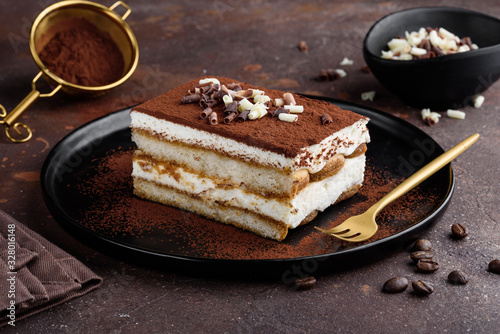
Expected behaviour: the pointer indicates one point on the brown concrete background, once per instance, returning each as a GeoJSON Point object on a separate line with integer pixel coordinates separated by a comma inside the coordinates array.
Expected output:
{"type": "Point", "coordinates": [256, 41]}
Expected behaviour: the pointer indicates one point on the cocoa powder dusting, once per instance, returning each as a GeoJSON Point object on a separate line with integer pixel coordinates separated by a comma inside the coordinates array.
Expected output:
{"type": "Point", "coordinates": [115, 212]}
{"type": "Point", "coordinates": [267, 133]}
{"type": "Point", "coordinates": [83, 55]}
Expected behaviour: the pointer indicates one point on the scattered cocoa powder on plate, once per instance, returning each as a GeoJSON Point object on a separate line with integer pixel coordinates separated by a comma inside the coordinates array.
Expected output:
{"type": "Point", "coordinates": [117, 214]}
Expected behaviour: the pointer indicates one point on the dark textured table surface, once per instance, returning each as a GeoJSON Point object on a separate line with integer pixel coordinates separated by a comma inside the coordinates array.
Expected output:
{"type": "Point", "coordinates": [256, 41]}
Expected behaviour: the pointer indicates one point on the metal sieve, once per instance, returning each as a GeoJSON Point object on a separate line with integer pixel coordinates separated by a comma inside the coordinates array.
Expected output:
{"type": "Point", "coordinates": [44, 28]}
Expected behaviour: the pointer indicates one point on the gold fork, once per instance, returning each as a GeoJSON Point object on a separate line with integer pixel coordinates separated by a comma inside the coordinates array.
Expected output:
{"type": "Point", "coordinates": [363, 227]}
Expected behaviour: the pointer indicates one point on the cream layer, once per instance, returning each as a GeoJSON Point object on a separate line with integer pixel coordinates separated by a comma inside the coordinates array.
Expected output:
{"type": "Point", "coordinates": [313, 158]}
{"type": "Point", "coordinates": [315, 196]}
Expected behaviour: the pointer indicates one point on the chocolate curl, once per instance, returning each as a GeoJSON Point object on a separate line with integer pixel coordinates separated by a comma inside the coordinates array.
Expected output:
{"type": "Point", "coordinates": [242, 94]}
{"type": "Point", "coordinates": [438, 51]}
{"type": "Point", "coordinates": [207, 83]}
{"type": "Point", "coordinates": [279, 111]}
{"type": "Point", "coordinates": [231, 107]}
{"type": "Point", "coordinates": [229, 118]}
{"type": "Point", "coordinates": [206, 112]}
{"type": "Point", "coordinates": [234, 86]}
{"type": "Point", "coordinates": [327, 75]}
{"type": "Point", "coordinates": [193, 98]}
{"type": "Point", "coordinates": [466, 41]}
{"type": "Point", "coordinates": [425, 44]}
{"type": "Point", "coordinates": [211, 89]}
{"type": "Point", "coordinates": [289, 99]}
{"type": "Point", "coordinates": [243, 116]}
{"type": "Point", "coordinates": [206, 101]}
{"type": "Point", "coordinates": [326, 119]}
{"type": "Point", "coordinates": [221, 93]}
{"type": "Point", "coordinates": [213, 118]}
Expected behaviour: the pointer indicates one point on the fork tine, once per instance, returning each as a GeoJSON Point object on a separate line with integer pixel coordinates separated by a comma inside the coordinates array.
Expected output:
{"type": "Point", "coordinates": [337, 229]}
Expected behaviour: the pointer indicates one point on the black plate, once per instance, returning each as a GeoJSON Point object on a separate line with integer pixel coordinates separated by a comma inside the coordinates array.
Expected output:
{"type": "Point", "coordinates": [397, 149]}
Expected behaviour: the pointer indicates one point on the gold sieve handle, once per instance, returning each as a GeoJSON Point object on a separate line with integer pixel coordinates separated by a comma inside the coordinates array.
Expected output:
{"type": "Point", "coordinates": [123, 4]}
{"type": "Point", "coordinates": [9, 121]}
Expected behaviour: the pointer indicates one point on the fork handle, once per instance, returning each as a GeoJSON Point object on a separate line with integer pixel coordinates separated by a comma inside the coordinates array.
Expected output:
{"type": "Point", "coordinates": [424, 173]}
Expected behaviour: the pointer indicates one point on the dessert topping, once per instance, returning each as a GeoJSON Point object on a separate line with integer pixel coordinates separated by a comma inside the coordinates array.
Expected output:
{"type": "Point", "coordinates": [455, 114]}
{"type": "Point", "coordinates": [237, 105]}
{"type": "Point", "coordinates": [478, 101]}
{"type": "Point", "coordinates": [430, 117]}
{"type": "Point", "coordinates": [288, 117]}
{"type": "Point", "coordinates": [368, 95]}
{"type": "Point", "coordinates": [426, 43]}
{"type": "Point", "coordinates": [294, 109]}
{"type": "Point", "coordinates": [229, 118]}
{"type": "Point", "coordinates": [326, 119]}
{"type": "Point", "coordinates": [213, 118]}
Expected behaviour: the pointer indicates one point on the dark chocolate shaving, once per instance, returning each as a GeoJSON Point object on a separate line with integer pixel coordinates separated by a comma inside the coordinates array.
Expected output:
{"type": "Point", "coordinates": [466, 41]}
{"type": "Point", "coordinates": [206, 101]}
{"type": "Point", "coordinates": [234, 86]}
{"type": "Point", "coordinates": [206, 112]}
{"type": "Point", "coordinates": [243, 94]}
{"type": "Point", "coordinates": [229, 118]}
{"type": "Point", "coordinates": [279, 111]}
{"type": "Point", "coordinates": [243, 116]}
{"type": "Point", "coordinates": [213, 118]}
{"type": "Point", "coordinates": [326, 119]}
{"type": "Point", "coordinates": [437, 51]}
{"type": "Point", "coordinates": [231, 107]}
{"type": "Point", "coordinates": [207, 83]}
{"type": "Point", "coordinates": [327, 75]}
{"type": "Point", "coordinates": [220, 94]}
{"type": "Point", "coordinates": [193, 98]}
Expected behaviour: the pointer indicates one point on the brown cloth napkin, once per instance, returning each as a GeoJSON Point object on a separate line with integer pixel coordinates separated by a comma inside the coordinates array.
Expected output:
{"type": "Point", "coordinates": [36, 274]}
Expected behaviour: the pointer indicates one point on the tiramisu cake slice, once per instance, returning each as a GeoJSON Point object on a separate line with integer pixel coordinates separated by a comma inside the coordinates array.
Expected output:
{"type": "Point", "coordinates": [260, 159]}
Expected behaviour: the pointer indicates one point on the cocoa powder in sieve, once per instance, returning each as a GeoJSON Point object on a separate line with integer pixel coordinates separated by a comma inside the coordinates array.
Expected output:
{"type": "Point", "coordinates": [82, 54]}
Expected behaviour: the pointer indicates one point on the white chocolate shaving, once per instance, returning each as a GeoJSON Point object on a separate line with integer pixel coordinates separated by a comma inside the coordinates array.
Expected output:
{"type": "Point", "coordinates": [341, 72]}
{"type": "Point", "coordinates": [387, 54]}
{"type": "Point", "coordinates": [294, 109]}
{"type": "Point", "coordinates": [435, 39]}
{"type": "Point", "coordinates": [455, 114]}
{"type": "Point", "coordinates": [288, 117]}
{"type": "Point", "coordinates": [478, 101]}
{"type": "Point", "coordinates": [370, 95]}
{"type": "Point", "coordinates": [406, 56]}
{"type": "Point", "coordinates": [244, 105]}
{"type": "Point", "coordinates": [279, 102]}
{"type": "Point", "coordinates": [261, 99]}
{"type": "Point", "coordinates": [428, 114]}
{"type": "Point", "coordinates": [206, 80]}
{"type": "Point", "coordinates": [415, 45]}
{"type": "Point", "coordinates": [418, 51]}
{"type": "Point", "coordinates": [346, 61]}
{"type": "Point", "coordinates": [227, 99]}
{"type": "Point", "coordinates": [463, 48]}
{"type": "Point", "coordinates": [258, 110]}
{"type": "Point", "coordinates": [397, 44]}
{"type": "Point", "coordinates": [448, 35]}
{"type": "Point", "coordinates": [256, 92]}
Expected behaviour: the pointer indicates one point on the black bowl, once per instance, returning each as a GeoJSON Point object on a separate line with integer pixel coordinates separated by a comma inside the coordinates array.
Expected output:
{"type": "Point", "coordinates": [442, 82]}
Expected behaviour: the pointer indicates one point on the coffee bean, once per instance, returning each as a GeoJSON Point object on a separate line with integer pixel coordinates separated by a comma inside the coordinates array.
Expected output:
{"type": "Point", "coordinates": [457, 277]}
{"type": "Point", "coordinates": [305, 283]}
{"type": "Point", "coordinates": [422, 288]}
{"type": "Point", "coordinates": [395, 284]}
{"type": "Point", "coordinates": [421, 255]}
{"type": "Point", "coordinates": [459, 231]}
{"type": "Point", "coordinates": [427, 266]}
{"type": "Point", "coordinates": [422, 245]}
{"type": "Point", "coordinates": [494, 266]}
